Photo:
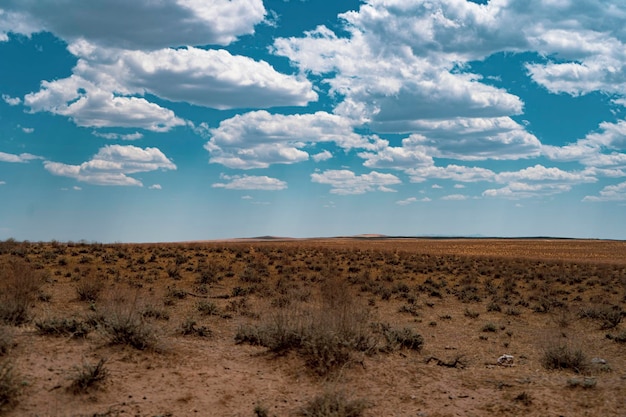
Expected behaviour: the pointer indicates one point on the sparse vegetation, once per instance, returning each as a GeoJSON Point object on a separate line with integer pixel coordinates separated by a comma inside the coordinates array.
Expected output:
{"type": "Point", "coordinates": [88, 376]}
{"type": "Point", "coordinates": [123, 323]}
{"type": "Point", "coordinates": [333, 404]}
{"type": "Point", "coordinates": [563, 356]}
{"type": "Point", "coordinates": [372, 313]}
{"type": "Point", "coordinates": [54, 326]}
{"type": "Point", "coordinates": [9, 386]}
{"type": "Point", "coordinates": [19, 286]}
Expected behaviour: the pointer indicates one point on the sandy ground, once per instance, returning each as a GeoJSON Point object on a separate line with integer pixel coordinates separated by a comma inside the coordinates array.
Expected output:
{"type": "Point", "coordinates": [445, 290]}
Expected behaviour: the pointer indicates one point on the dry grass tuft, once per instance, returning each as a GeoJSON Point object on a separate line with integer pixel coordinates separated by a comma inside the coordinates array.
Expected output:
{"type": "Point", "coordinates": [9, 387]}
{"type": "Point", "coordinates": [333, 404]}
{"type": "Point", "coordinates": [19, 286]}
{"type": "Point", "coordinates": [88, 376]}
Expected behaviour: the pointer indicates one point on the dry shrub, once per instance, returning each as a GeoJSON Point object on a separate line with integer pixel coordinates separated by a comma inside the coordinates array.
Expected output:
{"type": "Point", "coordinates": [19, 286]}
{"type": "Point", "coordinates": [123, 322]}
{"type": "Point", "coordinates": [324, 335]}
{"type": "Point", "coordinates": [88, 376]}
{"type": "Point", "coordinates": [333, 404]}
{"type": "Point", "coordinates": [55, 326]}
{"type": "Point", "coordinates": [608, 316]}
{"type": "Point", "coordinates": [6, 339]}
{"type": "Point", "coordinates": [89, 288]}
{"type": "Point", "coordinates": [563, 356]}
{"type": "Point", "coordinates": [9, 387]}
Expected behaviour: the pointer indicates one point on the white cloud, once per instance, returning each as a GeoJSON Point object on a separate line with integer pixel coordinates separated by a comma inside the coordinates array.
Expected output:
{"type": "Point", "coordinates": [412, 153]}
{"type": "Point", "coordinates": [120, 136]}
{"type": "Point", "coordinates": [477, 138]}
{"type": "Point", "coordinates": [517, 190]}
{"type": "Point", "coordinates": [21, 158]}
{"type": "Point", "coordinates": [11, 101]}
{"type": "Point", "coordinates": [250, 182]}
{"type": "Point", "coordinates": [210, 78]}
{"type": "Point", "coordinates": [108, 85]}
{"type": "Point", "coordinates": [2, 182]}
{"type": "Point", "coordinates": [407, 201]}
{"type": "Point", "coordinates": [436, 187]}
{"type": "Point", "coordinates": [459, 186]}
{"type": "Point", "coordinates": [322, 156]}
{"type": "Point", "coordinates": [346, 182]}
{"type": "Point", "coordinates": [28, 130]}
{"type": "Point", "coordinates": [247, 197]}
{"type": "Point", "coordinates": [451, 172]}
{"type": "Point", "coordinates": [400, 68]}
{"type": "Point", "coordinates": [259, 139]}
{"type": "Point", "coordinates": [610, 193]}
{"type": "Point", "coordinates": [538, 181]}
{"type": "Point", "coordinates": [112, 165]}
{"type": "Point", "coordinates": [155, 187]}
{"type": "Point", "coordinates": [90, 106]}
{"type": "Point", "coordinates": [454, 197]}
{"type": "Point", "coordinates": [137, 24]}
{"type": "Point", "coordinates": [543, 174]}
{"type": "Point", "coordinates": [76, 188]}
{"type": "Point", "coordinates": [394, 70]}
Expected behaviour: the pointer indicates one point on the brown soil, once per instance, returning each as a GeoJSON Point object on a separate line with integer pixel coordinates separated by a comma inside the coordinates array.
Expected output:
{"type": "Point", "coordinates": [472, 300]}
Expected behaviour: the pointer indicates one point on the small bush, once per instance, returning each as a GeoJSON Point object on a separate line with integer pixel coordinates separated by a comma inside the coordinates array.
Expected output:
{"type": "Point", "coordinates": [585, 383]}
{"type": "Point", "coordinates": [208, 308]}
{"type": "Point", "coordinates": [6, 339]}
{"type": "Point", "coordinates": [19, 286]}
{"type": "Point", "coordinates": [608, 316]}
{"type": "Point", "coordinates": [471, 314]}
{"type": "Point", "coordinates": [523, 398]}
{"type": "Point", "coordinates": [564, 357]}
{"type": "Point", "coordinates": [88, 376]}
{"type": "Point", "coordinates": [489, 328]}
{"type": "Point", "coordinates": [122, 321]}
{"type": "Point", "coordinates": [188, 328]}
{"type": "Point", "coordinates": [620, 338]}
{"type": "Point", "coordinates": [404, 338]}
{"type": "Point", "coordinates": [9, 387]}
{"type": "Point", "coordinates": [333, 404]}
{"type": "Point", "coordinates": [63, 327]}
{"type": "Point", "coordinates": [260, 411]}
{"type": "Point", "coordinates": [89, 288]}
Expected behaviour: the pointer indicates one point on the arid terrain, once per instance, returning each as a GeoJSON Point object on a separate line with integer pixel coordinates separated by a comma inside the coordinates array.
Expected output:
{"type": "Point", "coordinates": [328, 327]}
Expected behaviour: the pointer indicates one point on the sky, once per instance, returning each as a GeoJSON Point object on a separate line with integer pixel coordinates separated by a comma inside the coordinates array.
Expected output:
{"type": "Point", "coordinates": [182, 120]}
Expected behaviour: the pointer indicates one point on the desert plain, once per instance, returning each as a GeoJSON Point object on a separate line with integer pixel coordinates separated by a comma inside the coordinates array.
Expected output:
{"type": "Point", "coordinates": [368, 326]}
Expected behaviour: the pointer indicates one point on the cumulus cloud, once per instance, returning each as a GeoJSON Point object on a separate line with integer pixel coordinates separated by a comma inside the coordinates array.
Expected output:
{"type": "Point", "coordinates": [138, 24]}
{"type": "Point", "coordinates": [250, 182]}
{"type": "Point", "coordinates": [155, 187]}
{"type": "Point", "coordinates": [11, 101]}
{"type": "Point", "coordinates": [400, 68]}
{"type": "Point", "coordinates": [455, 197]}
{"type": "Point", "coordinates": [412, 200]}
{"type": "Point", "coordinates": [259, 139]}
{"type": "Point", "coordinates": [451, 172]}
{"type": "Point", "coordinates": [322, 156]}
{"type": "Point", "coordinates": [346, 182]}
{"type": "Point", "coordinates": [211, 78]}
{"type": "Point", "coordinates": [538, 181]}
{"type": "Point", "coordinates": [517, 190]}
{"type": "Point", "coordinates": [113, 164]}
{"type": "Point", "coordinates": [610, 193]}
{"type": "Point", "coordinates": [413, 152]}
{"type": "Point", "coordinates": [21, 158]}
{"type": "Point", "coordinates": [90, 106]}
{"type": "Point", "coordinates": [120, 136]}
{"type": "Point", "coordinates": [541, 173]}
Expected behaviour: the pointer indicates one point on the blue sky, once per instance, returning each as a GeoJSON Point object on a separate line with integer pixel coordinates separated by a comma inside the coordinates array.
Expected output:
{"type": "Point", "coordinates": [187, 119]}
